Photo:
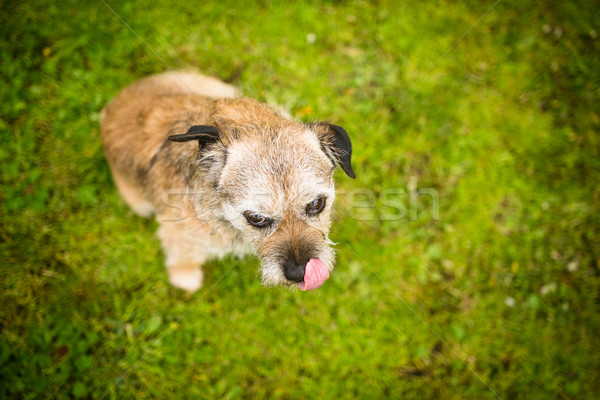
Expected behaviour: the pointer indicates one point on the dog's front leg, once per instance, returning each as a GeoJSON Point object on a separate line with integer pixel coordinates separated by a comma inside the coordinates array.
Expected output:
{"type": "Point", "coordinates": [184, 256]}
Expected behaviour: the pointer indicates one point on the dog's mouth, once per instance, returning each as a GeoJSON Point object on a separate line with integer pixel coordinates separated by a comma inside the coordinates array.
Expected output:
{"type": "Point", "coordinates": [315, 274]}
{"type": "Point", "coordinates": [306, 270]}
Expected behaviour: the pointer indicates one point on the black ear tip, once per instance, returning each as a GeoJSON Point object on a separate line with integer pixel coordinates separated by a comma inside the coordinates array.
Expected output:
{"type": "Point", "coordinates": [176, 138]}
{"type": "Point", "coordinates": [201, 133]}
{"type": "Point", "coordinates": [347, 168]}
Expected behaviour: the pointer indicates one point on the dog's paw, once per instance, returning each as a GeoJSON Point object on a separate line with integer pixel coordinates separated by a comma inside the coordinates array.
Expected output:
{"type": "Point", "coordinates": [189, 280]}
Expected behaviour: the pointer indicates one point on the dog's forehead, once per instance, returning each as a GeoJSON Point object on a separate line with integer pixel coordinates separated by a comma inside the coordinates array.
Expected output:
{"type": "Point", "coordinates": [270, 173]}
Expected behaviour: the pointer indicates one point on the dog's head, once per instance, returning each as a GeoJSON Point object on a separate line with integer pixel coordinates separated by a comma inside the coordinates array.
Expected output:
{"type": "Point", "coordinates": [274, 181]}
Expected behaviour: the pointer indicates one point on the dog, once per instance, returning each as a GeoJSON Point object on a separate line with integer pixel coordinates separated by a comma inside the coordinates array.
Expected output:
{"type": "Point", "coordinates": [225, 174]}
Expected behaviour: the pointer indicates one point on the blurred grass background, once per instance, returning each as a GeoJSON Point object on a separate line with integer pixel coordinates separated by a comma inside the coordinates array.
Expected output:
{"type": "Point", "coordinates": [499, 298]}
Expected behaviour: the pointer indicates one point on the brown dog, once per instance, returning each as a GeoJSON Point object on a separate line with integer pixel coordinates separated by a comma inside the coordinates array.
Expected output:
{"type": "Point", "coordinates": [225, 174]}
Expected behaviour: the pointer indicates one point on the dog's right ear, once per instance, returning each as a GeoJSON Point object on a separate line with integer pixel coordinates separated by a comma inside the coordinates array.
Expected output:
{"type": "Point", "coordinates": [336, 144]}
{"type": "Point", "coordinates": [202, 133]}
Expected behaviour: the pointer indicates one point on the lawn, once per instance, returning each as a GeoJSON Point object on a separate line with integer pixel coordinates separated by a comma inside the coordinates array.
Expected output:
{"type": "Point", "coordinates": [468, 247]}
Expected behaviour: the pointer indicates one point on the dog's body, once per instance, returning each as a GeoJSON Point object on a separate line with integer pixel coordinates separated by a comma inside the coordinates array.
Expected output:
{"type": "Point", "coordinates": [259, 183]}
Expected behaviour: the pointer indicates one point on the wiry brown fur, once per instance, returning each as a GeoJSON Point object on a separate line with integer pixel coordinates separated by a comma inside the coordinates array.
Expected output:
{"type": "Point", "coordinates": [262, 162]}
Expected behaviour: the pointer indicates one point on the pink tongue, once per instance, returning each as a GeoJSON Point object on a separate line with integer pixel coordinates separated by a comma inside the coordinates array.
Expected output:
{"type": "Point", "coordinates": [315, 274]}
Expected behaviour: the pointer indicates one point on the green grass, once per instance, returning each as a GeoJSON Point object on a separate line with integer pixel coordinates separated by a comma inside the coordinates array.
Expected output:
{"type": "Point", "coordinates": [496, 299]}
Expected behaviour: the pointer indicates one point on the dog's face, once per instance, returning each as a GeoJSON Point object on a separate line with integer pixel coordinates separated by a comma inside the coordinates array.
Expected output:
{"type": "Point", "coordinates": [279, 195]}
{"type": "Point", "coordinates": [276, 188]}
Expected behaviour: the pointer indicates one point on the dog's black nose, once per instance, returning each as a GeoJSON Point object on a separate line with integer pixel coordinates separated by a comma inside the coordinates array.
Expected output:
{"type": "Point", "coordinates": [293, 270]}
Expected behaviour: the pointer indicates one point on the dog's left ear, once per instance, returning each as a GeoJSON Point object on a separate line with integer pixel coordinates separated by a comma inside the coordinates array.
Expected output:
{"type": "Point", "coordinates": [337, 145]}
{"type": "Point", "coordinates": [202, 133]}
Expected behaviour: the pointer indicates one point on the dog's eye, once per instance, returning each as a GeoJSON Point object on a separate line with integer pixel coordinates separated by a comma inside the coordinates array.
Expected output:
{"type": "Point", "coordinates": [316, 206]}
{"type": "Point", "coordinates": [257, 220]}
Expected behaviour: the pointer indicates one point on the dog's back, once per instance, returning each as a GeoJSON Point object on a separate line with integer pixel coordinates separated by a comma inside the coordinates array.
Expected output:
{"type": "Point", "coordinates": [136, 123]}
